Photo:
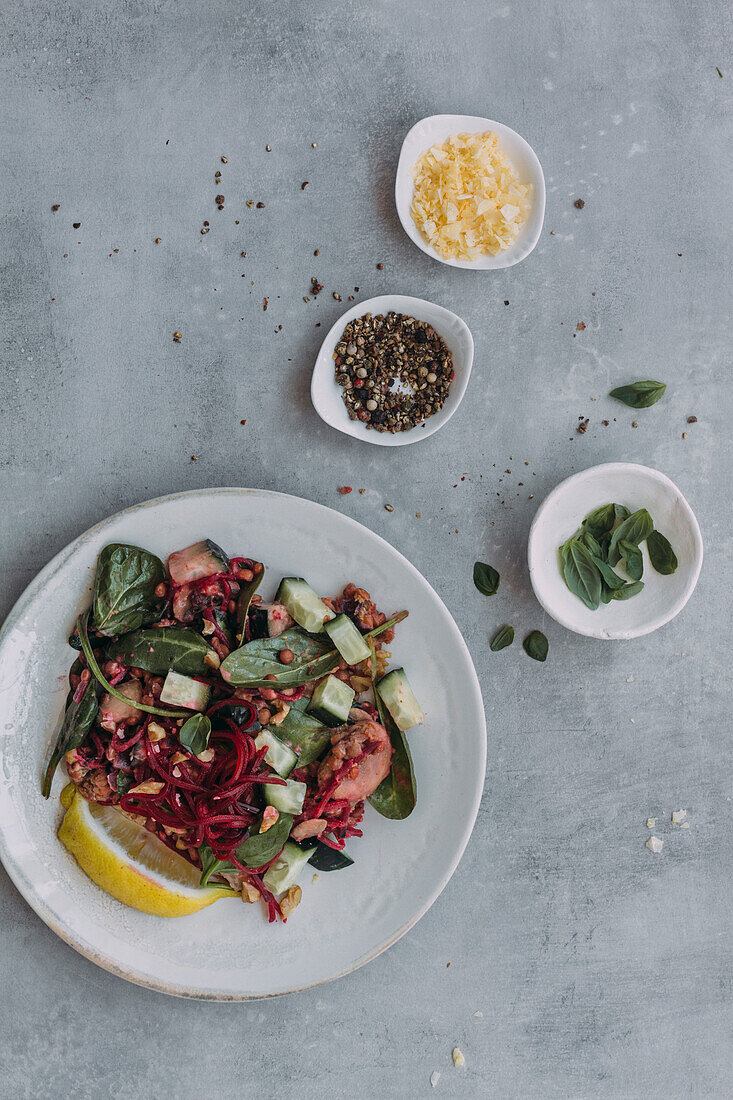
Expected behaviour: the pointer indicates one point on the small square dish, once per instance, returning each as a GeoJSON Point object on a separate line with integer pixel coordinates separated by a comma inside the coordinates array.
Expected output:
{"type": "Point", "coordinates": [437, 128]}
{"type": "Point", "coordinates": [327, 394]}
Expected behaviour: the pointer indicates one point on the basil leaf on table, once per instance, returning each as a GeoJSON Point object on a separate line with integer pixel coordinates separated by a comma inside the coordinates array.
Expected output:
{"type": "Point", "coordinates": [124, 589]}
{"type": "Point", "coordinates": [244, 600]}
{"type": "Point", "coordinates": [396, 795]}
{"type": "Point", "coordinates": [160, 649]}
{"type": "Point", "coordinates": [304, 733]}
{"type": "Point", "coordinates": [76, 724]}
{"type": "Point", "coordinates": [600, 520]}
{"type": "Point", "coordinates": [503, 638]}
{"type": "Point", "coordinates": [315, 656]}
{"type": "Point", "coordinates": [661, 554]}
{"type": "Point", "coordinates": [581, 573]}
{"type": "Point", "coordinates": [536, 646]}
{"type": "Point", "coordinates": [486, 578]}
{"type": "Point", "coordinates": [628, 591]}
{"type": "Point", "coordinates": [639, 395]}
{"type": "Point", "coordinates": [194, 733]}
{"type": "Point", "coordinates": [633, 557]}
{"type": "Point", "coordinates": [635, 528]}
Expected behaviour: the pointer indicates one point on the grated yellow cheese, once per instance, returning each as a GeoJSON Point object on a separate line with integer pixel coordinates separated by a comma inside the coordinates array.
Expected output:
{"type": "Point", "coordinates": [468, 200]}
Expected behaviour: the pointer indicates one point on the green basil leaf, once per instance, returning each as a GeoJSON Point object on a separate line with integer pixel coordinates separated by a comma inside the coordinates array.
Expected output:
{"type": "Point", "coordinates": [260, 848]}
{"type": "Point", "coordinates": [581, 573]}
{"type": "Point", "coordinates": [635, 528]}
{"type": "Point", "coordinates": [591, 544]}
{"type": "Point", "coordinates": [315, 657]}
{"type": "Point", "coordinates": [610, 579]}
{"type": "Point", "coordinates": [160, 649]}
{"type": "Point", "coordinates": [304, 733]}
{"type": "Point", "coordinates": [607, 593]}
{"type": "Point", "coordinates": [76, 724]}
{"type": "Point", "coordinates": [396, 795]}
{"type": "Point", "coordinates": [194, 733]}
{"type": "Point", "coordinates": [628, 591]}
{"type": "Point", "coordinates": [622, 512]}
{"type": "Point", "coordinates": [210, 865]}
{"type": "Point", "coordinates": [639, 395]}
{"type": "Point", "coordinates": [633, 557]}
{"type": "Point", "coordinates": [244, 600]}
{"type": "Point", "coordinates": [600, 520]}
{"type": "Point", "coordinates": [661, 554]}
{"type": "Point", "coordinates": [486, 578]}
{"type": "Point", "coordinates": [503, 638]}
{"type": "Point", "coordinates": [124, 589]}
{"type": "Point", "coordinates": [536, 646]}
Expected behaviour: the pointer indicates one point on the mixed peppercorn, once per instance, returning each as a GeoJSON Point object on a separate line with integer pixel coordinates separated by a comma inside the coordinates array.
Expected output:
{"type": "Point", "coordinates": [395, 371]}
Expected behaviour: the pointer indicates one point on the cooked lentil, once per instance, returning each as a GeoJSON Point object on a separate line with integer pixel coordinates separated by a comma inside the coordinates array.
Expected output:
{"type": "Point", "coordinates": [375, 353]}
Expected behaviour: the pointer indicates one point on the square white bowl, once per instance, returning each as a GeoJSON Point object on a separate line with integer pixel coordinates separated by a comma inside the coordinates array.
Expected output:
{"type": "Point", "coordinates": [562, 512]}
{"type": "Point", "coordinates": [436, 128]}
{"type": "Point", "coordinates": [326, 393]}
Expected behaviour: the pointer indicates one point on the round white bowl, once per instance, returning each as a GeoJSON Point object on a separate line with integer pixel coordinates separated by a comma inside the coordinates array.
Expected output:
{"type": "Point", "coordinates": [562, 512]}
{"type": "Point", "coordinates": [522, 156]}
{"type": "Point", "coordinates": [326, 394]}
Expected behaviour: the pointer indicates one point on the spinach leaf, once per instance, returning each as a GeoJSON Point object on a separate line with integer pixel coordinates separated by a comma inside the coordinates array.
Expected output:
{"type": "Point", "coordinates": [635, 528]}
{"type": "Point", "coordinates": [486, 578]}
{"type": "Point", "coordinates": [328, 859]}
{"type": "Point", "coordinates": [535, 646]}
{"type": "Point", "coordinates": [124, 589]}
{"type": "Point", "coordinates": [77, 722]}
{"type": "Point", "coordinates": [503, 637]}
{"type": "Point", "coordinates": [82, 629]}
{"type": "Point", "coordinates": [610, 579]}
{"type": "Point", "coordinates": [607, 593]}
{"type": "Point", "coordinates": [633, 557]}
{"type": "Point", "coordinates": [396, 795]}
{"type": "Point", "coordinates": [194, 733]}
{"type": "Point", "coordinates": [244, 599]}
{"type": "Point", "coordinates": [627, 591]}
{"type": "Point", "coordinates": [600, 520]}
{"type": "Point", "coordinates": [304, 733]}
{"type": "Point", "coordinates": [210, 865]}
{"type": "Point", "coordinates": [314, 657]}
{"type": "Point", "coordinates": [581, 573]}
{"type": "Point", "coordinates": [639, 395]}
{"type": "Point", "coordinates": [160, 649]}
{"type": "Point", "coordinates": [260, 848]}
{"type": "Point", "coordinates": [661, 554]}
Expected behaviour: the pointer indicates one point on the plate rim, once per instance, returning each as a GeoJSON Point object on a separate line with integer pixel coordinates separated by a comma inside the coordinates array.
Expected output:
{"type": "Point", "coordinates": [28, 891]}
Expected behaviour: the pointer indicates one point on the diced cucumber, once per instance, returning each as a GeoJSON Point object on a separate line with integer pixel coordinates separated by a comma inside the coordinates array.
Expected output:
{"type": "Point", "coordinates": [202, 559]}
{"type": "Point", "coordinates": [399, 698]}
{"type": "Point", "coordinates": [288, 799]}
{"type": "Point", "coordinates": [331, 701]}
{"type": "Point", "coordinates": [279, 756]}
{"type": "Point", "coordinates": [305, 605]}
{"type": "Point", "coordinates": [184, 691]}
{"type": "Point", "coordinates": [283, 873]}
{"type": "Point", "coordinates": [345, 635]}
{"type": "Point", "coordinates": [267, 620]}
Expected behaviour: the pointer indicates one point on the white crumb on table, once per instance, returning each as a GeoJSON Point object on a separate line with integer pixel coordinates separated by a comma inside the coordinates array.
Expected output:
{"type": "Point", "coordinates": [434, 1078]}
{"type": "Point", "coordinates": [654, 844]}
{"type": "Point", "coordinates": [685, 825]}
{"type": "Point", "coordinates": [458, 1059]}
{"type": "Point", "coordinates": [678, 816]}
{"type": "Point", "coordinates": [651, 822]}
{"type": "Point", "coordinates": [478, 1015]}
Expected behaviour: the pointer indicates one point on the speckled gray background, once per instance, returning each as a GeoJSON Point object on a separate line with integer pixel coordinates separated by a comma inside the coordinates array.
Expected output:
{"type": "Point", "coordinates": [601, 970]}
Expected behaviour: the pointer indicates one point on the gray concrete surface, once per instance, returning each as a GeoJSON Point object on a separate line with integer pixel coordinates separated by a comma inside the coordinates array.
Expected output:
{"type": "Point", "coordinates": [601, 970]}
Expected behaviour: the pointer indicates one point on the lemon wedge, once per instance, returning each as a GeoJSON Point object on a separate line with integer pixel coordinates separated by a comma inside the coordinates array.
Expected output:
{"type": "Point", "coordinates": [131, 863]}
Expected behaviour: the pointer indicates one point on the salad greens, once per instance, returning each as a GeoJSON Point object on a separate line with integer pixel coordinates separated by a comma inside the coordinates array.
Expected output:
{"type": "Point", "coordinates": [124, 589]}
{"type": "Point", "coordinates": [486, 578]}
{"type": "Point", "coordinates": [162, 648]}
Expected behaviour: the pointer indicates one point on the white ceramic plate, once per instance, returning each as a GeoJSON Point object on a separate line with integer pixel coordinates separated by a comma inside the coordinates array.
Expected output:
{"type": "Point", "coordinates": [518, 151]}
{"type": "Point", "coordinates": [560, 515]}
{"type": "Point", "coordinates": [326, 394]}
{"type": "Point", "coordinates": [229, 952]}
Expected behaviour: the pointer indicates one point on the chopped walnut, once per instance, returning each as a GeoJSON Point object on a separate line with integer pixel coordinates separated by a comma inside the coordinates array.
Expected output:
{"type": "Point", "coordinates": [291, 901]}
